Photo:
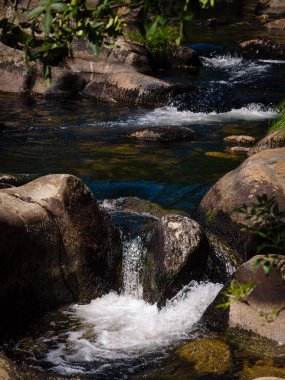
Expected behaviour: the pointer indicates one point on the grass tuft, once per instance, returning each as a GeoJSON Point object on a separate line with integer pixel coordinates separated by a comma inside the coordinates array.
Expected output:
{"type": "Point", "coordinates": [279, 123]}
{"type": "Point", "coordinates": [161, 40]}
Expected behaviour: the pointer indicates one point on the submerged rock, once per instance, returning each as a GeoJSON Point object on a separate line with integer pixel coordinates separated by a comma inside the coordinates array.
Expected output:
{"type": "Point", "coordinates": [239, 150]}
{"type": "Point", "coordinates": [265, 368]}
{"type": "Point", "coordinates": [272, 141]}
{"type": "Point", "coordinates": [239, 139]}
{"type": "Point", "coordinates": [57, 246]}
{"type": "Point", "coordinates": [262, 49]}
{"type": "Point", "coordinates": [11, 371]}
{"type": "Point", "coordinates": [177, 253]}
{"type": "Point", "coordinates": [262, 173]}
{"type": "Point", "coordinates": [163, 134]}
{"type": "Point", "coordinates": [209, 356]}
{"type": "Point", "coordinates": [276, 25]}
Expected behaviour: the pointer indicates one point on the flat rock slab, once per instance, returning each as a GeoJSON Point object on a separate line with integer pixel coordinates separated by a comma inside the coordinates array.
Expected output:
{"type": "Point", "coordinates": [163, 134]}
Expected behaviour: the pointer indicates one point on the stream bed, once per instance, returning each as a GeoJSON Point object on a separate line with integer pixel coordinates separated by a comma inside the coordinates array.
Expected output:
{"type": "Point", "coordinates": [118, 336]}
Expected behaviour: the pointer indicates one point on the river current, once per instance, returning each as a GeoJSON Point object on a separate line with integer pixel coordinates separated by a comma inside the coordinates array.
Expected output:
{"type": "Point", "coordinates": [116, 336]}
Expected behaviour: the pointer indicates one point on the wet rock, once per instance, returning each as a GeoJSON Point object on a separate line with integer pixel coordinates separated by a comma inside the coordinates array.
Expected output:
{"type": "Point", "coordinates": [262, 369]}
{"type": "Point", "coordinates": [272, 141]}
{"type": "Point", "coordinates": [11, 371]}
{"type": "Point", "coordinates": [57, 246]}
{"type": "Point", "coordinates": [239, 150]}
{"type": "Point", "coordinates": [132, 88]}
{"type": "Point", "coordinates": [222, 260]}
{"type": "Point", "coordinates": [276, 25]}
{"type": "Point", "coordinates": [262, 49]}
{"type": "Point", "coordinates": [8, 370]}
{"type": "Point", "coordinates": [177, 57]}
{"type": "Point", "coordinates": [262, 173]}
{"type": "Point", "coordinates": [16, 179]}
{"type": "Point", "coordinates": [139, 206]}
{"type": "Point", "coordinates": [240, 139]}
{"type": "Point", "coordinates": [272, 7]}
{"type": "Point", "coordinates": [176, 254]}
{"type": "Point", "coordinates": [163, 134]}
{"type": "Point", "coordinates": [209, 356]}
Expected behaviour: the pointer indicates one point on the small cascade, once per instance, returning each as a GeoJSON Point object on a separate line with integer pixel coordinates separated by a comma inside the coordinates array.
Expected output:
{"type": "Point", "coordinates": [133, 252]}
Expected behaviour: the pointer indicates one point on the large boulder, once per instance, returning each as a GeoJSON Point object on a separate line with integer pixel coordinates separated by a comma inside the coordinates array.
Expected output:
{"type": "Point", "coordinates": [57, 246]}
{"type": "Point", "coordinates": [264, 310]}
{"type": "Point", "coordinates": [262, 49]}
{"type": "Point", "coordinates": [176, 253]}
{"type": "Point", "coordinates": [272, 141]}
{"type": "Point", "coordinates": [262, 173]}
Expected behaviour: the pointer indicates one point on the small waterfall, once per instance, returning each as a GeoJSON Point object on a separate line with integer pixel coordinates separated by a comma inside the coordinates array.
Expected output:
{"type": "Point", "coordinates": [133, 253]}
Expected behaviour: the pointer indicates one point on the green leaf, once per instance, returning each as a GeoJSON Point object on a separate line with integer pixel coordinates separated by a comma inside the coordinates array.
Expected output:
{"type": "Point", "coordinates": [59, 7]}
{"type": "Point", "coordinates": [95, 48]}
{"type": "Point", "coordinates": [35, 13]}
{"type": "Point", "coordinates": [47, 22]}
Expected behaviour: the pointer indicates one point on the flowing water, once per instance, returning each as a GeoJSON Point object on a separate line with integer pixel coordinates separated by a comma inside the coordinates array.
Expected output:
{"type": "Point", "coordinates": [118, 335]}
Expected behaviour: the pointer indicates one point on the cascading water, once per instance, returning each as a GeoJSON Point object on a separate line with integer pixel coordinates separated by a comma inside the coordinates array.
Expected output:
{"type": "Point", "coordinates": [118, 334]}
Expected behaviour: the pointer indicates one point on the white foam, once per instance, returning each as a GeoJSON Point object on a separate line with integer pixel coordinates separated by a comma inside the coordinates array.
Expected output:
{"type": "Point", "coordinates": [126, 327]}
{"type": "Point", "coordinates": [172, 116]}
{"type": "Point", "coordinates": [238, 69]}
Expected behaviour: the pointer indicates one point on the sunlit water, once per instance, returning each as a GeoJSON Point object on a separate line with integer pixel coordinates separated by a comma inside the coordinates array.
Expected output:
{"type": "Point", "coordinates": [235, 96]}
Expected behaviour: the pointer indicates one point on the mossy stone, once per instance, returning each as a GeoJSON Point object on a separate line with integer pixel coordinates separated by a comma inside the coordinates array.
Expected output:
{"type": "Point", "coordinates": [261, 368]}
{"type": "Point", "coordinates": [209, 356]}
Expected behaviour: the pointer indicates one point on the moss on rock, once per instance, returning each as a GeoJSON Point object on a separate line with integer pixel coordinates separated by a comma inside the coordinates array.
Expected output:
{"type": "Point", "coordinates": [209, 356]}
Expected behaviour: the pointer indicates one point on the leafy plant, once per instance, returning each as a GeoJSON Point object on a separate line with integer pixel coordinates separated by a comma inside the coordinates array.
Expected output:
{"type": "Point", "coordinates": [47, 33]}
{"type": "Point", "coordinates": [269, 224]}
{"type": "Point", "coordinates": [236, 292]}
{"type": "Point", "coordinates": [279, 123]}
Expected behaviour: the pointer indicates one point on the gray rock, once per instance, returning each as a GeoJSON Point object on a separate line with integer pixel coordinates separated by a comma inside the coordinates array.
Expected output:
{"type": "Point", "coordinates": [177, 253]}
{"type": "Point", "coordinates": [57, 246]}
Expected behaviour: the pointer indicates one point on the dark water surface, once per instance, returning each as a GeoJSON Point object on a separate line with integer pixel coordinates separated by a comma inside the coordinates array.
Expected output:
{"type": "Point", "coordinates": [86, 139]}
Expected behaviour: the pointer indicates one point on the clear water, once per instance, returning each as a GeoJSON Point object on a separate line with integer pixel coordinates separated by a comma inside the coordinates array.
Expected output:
{"type": "Point", "coordinates": [86, 139]}
{"type": "Point", "coordinates": [118, 335]}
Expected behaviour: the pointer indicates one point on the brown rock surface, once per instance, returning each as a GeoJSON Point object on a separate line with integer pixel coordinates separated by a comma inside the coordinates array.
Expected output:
{"type": "Point", "coordinates": [272, 141]}
{"type": "Point", "coordinates": [57, 246]}
{"type": "Point", "coordinates": [262, 173]}
{"type": "Point", "coordinates": [262, 49]}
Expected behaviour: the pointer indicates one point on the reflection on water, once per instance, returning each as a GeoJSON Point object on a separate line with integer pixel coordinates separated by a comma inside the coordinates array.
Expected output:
{"type": "Point", "coordinates": [88, 140]}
